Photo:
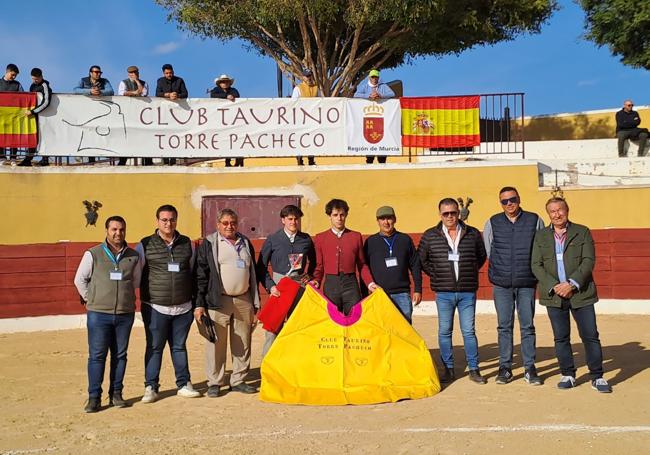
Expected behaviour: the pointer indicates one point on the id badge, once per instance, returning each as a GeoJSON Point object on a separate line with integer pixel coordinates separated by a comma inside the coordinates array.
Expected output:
{"type": "Point", "coordinates": [241, 264]}
{"type": "Point", "coordinates": [391, 262]}
{"type": "Point", "coordinates": [115, 275]}
{"type": "Point", "coordinates": [173, 267]}
{"type": "Point", "coordinates": [559, 256]}
{"type": "Point", "coordinates": [454, 257]}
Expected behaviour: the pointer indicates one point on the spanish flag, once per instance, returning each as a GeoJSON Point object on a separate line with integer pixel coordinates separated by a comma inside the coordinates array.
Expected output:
{"type": "Point", "coordinates": [17, 130]}
{"type": "Point", "coordinates": [440, 121]}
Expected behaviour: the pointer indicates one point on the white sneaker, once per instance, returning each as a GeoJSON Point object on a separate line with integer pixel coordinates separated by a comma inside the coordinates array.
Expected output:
{"type": "Point", "coordinates": [187, 391]}
{"type": "Point", "coordinates": [150, 395]}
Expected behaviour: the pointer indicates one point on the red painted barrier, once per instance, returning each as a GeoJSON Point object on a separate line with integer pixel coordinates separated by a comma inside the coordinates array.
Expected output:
{"type": "Point", "coordinates": [37, 280]}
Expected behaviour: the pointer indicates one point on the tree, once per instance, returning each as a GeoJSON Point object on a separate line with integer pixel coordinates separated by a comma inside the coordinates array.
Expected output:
{"type": "Point", "coordinates": [623, 26]}
{"type": "Point", "coordinates": [341, 40]}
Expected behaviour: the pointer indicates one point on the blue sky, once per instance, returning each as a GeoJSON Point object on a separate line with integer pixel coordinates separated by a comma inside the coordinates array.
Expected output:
{"type": "Point", "coordinates": [557, 69]}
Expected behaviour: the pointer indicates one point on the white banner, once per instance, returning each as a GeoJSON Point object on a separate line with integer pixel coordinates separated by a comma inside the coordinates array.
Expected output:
{"type": "Point", "coordinates": [77, 125]}
{"type": "Point", "coordinates": [373, 128]}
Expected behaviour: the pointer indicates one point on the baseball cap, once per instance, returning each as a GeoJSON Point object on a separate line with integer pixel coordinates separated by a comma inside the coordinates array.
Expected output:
{"type": "Point", "coordinates": [373, 73]}
{"type": "Point", "coordinates": [307, 72]}
{"type": "Point", "coordinates": [132, 69]}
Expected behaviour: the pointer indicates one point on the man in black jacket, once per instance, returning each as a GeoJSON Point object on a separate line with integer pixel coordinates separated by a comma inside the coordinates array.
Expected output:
{"type": "Point", "coordinates": [226, 289]}
{"type": "Point", "coordinates": [8, 83]}
{"type": "Point", "coordinates": [173, 88]}
{"type": "Point", "coordinates": [41, 86]}
{"type": "Point", "coordinates": [391, 255]}
{"type": "Point", "coordinates": [627, 127]}
{"type": "Point", "coordinates": [452, 254]}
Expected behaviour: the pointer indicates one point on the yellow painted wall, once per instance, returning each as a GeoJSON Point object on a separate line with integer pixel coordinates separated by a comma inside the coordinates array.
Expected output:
{"type": "Point", "coordinates": [42, 206]}
{"type": "Point", "coordinates": [586, 125]}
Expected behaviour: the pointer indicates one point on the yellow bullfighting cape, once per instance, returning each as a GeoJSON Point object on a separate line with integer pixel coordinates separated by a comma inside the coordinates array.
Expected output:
{"type": "Point", "coordinates": [323, 357]}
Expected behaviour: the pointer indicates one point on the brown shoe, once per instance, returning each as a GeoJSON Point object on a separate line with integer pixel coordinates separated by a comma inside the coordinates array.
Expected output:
{"type": "Point", "coordinates": [475, 376]}
{"type": "Point", "coordinates": [448, 376]}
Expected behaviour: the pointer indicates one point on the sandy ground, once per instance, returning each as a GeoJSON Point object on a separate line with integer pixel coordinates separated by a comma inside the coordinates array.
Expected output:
{"type": "Point", "coordinates": [43, 389]}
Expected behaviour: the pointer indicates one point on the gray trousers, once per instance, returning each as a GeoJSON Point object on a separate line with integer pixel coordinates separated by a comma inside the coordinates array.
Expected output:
{"type": "Point", "coordinates": [234, 318]}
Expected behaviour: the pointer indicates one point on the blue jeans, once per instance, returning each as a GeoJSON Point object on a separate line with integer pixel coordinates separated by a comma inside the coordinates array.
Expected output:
{"type": "Point", "coordinates": [403, 303]}
{"type": "Point", "coordinates": [447, 302]}
{"type": "Point", "coordinates": [107, 332]}
{"type": "Point", "coordinates": [505, 301]}
{"type": "Point", "coordinates": [161, 329]}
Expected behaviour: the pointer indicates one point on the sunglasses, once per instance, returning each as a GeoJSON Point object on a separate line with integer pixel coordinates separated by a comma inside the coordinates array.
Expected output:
{"type": "Point", "coordinates": [629, 105]}
{"type": "Point", "coordinates": [98, 72]}
{"type": "Point", "coordinates": [510, 200]}
{"type": "Point", "coordinates": [449, 214]}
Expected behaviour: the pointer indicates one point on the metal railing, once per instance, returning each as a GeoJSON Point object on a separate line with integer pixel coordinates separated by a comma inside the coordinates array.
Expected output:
{"type": "Point", "coordinates": [501, 124]}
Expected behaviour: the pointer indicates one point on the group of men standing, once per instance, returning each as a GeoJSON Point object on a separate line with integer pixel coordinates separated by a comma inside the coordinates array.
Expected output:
{"type": "Point", "coordinates": [179, 283]}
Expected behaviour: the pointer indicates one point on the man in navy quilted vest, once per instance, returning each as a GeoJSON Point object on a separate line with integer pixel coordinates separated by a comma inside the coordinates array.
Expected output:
{"type": "Point", "coordinates": [508, 238]}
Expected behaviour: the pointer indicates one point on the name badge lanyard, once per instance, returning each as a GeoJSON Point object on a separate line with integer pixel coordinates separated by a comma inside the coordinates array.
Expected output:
{"type": "Point", "coordinates": [172, 266]}
{"type": "Point", "coordinates": [390, 245]}
{"type": "Point", "coordinates": [240, 262]}
{"type": "Point", "coordinates": [114, 259]}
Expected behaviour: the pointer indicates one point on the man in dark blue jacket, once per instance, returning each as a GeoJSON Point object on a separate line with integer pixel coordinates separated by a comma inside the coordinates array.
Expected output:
{"type": "Point", "coordinates": [39, 85]}
{"type": "Point", "coordinates": [171, 87]}
{"type": "Point", "coordinates": [508, 238]}
{"type": "Point", "coordinates": [627, 127]}
{"type": "Point", "coordinates": [291, 253]}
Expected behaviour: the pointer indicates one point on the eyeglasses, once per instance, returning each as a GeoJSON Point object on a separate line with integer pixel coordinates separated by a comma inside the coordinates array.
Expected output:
{"type": "Point", "coordinates": [167, 220]}
{"type": "Point", "coordinates": [513, 200]}
{"type": "Point", "coordinates": [448, 214]}
{"type": "Point", "coordinates": [629, 105]}
{"type": "Point", "coordinates": [97, 72]}
{"type": "Point", "coordinates": [228, 223]}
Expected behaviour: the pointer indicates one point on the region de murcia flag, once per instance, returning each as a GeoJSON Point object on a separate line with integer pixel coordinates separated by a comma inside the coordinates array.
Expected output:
{"type": "Point", "coordinates": [373, 123]}
{"type": "Point", "coordinates": [440, 121]}
{"type": "Point", "coordinates": [16, 129]}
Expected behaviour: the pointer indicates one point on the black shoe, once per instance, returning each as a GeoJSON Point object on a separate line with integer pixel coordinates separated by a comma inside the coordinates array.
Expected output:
{"type": "Point", "coordinates": [311, 161]}
{"type": "Point", "coordinates": [243, 388]}
{"type": "Point", "coordinates": [117, 400]}
{"type": "Point", "coordinates": [228, 164]}
{"type": "Point", "coordinates": [475, 376]}
{"type": "Point", "coordinates": [93, 405]}
{"type": "Point", "coordinates": [213, 391]}
{"type": "Point", "coordinates": [448, 376]}
{"type": "Point", "coordinates": [531, 377]}
{"type": "Point", "coordinates": [25, 162]}
{"type": "Point", "coordinates": [299, 161]}
{"type": "Point", "coordinates": [44, 161]}
{"type": "Point", "coordinates": [504, 376]}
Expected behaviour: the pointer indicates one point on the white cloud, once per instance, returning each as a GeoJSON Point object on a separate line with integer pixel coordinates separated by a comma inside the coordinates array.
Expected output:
{"type": "Point", "coordinates": [587, 83]}
{"type": "Point", "coordinates": [166, 48]}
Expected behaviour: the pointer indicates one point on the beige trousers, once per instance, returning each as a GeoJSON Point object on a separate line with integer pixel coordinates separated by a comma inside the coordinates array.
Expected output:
{"type": "Point", "coordinates": [235, 316]}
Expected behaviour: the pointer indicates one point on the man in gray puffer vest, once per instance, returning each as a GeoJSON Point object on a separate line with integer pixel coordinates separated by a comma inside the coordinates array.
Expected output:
{"type": "Point", "coordinates": [166, 295]}
{"type": "Point", "coordinates": [508, 239]}
{"type": "Point", "coordinates": [106, 279]}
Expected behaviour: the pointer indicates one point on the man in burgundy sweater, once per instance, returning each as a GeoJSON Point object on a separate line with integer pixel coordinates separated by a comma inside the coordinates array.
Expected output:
{"type": "Point", "coordinates": [339, 254]}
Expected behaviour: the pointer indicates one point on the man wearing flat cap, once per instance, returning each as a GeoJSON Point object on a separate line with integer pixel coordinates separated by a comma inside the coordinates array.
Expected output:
{"type": "Point", "coordinates": [224, 90]}
{"type": "Point", "coordinates": [391, 255]}
{"type": "Point", "coordinates": [306, 89]}
{"type": "Point", "coordinates": [132, 86]}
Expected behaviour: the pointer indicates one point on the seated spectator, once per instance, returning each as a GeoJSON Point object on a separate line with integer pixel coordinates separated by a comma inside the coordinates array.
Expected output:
{"type": "Point", "coordinates": [226, 91]}
{"type": "Point", "coordinates": [374, 90]}
{"type": "Point", "coordinates": [627, 127]}
{"type": "Point", "coordinates": [41, 86]}
{"type": "Point", "coordinates": [132, 86]}
{"type": "Point", "coordinates": [306, 89]}
{"type": "Point", "coordinates": [173, 88]}
{"type": "Point", "coordinates": [8, 83]}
